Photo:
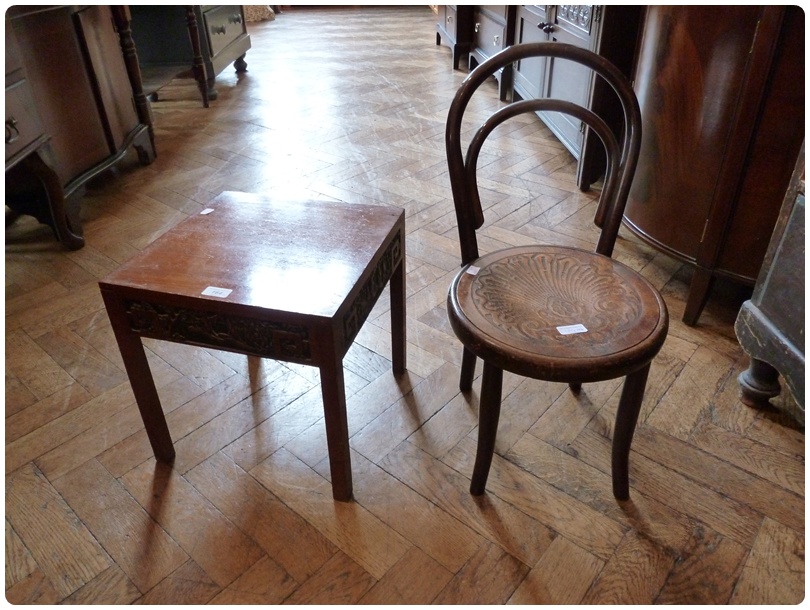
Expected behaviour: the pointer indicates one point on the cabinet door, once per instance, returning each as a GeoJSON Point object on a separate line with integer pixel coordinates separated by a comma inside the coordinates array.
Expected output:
{"type": "Point", "coordinates": [56, 70]}
{"type": "Point", "coordinates": [566, 80]}
{"type": "Point", "coordinates": [117, 107]}
{"type": "Point", "coordinates": [690, 82]}
{"type": "Point", "coordinates": [531, 73]}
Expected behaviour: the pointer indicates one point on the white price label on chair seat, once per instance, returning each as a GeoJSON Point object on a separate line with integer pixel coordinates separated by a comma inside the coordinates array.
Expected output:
{"type": "Point", "coordinates": [571, 329]}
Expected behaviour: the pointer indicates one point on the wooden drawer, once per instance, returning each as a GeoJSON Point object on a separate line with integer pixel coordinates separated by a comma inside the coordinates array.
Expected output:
{"type": "Point", "coordinates": [22, 123]}
{"type": "Point", "coordinates": [449, 18]}
{"type": "Point", "coordinates": [490, 32]}
{"type": "Point", "coordinates": [223, 25]}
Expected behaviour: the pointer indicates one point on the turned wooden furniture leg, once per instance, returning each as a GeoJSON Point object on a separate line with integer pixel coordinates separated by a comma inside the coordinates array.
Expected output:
{"type": "Point", "coordinates": [489, 412]}
{"type": "Point", "coordinates": [197, 65]}
{"type": "Point", "coordinates": [398, 321]}
{"type": "Point", "coordinates": [467, 370]}
{"type": "Point", "coordinates": [337, 427]}
{"type": "Point", "coordinates": [626, 418]}
{"type": "Point", "coordinates": [759, 383]}
{"type": "Point", "coordinates": [140, 377]}
{"type": "Point", "coordinates": [123, 22]}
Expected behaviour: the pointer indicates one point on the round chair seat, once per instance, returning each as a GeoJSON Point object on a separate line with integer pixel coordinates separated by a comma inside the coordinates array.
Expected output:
{"type": "Point", "coordinates": [557, 313]}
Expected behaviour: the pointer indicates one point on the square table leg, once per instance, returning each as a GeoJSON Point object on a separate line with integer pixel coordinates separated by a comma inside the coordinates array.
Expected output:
{"type": "Point", "coordinates": [140, 378]}
{"type": "Point", "coordinates": [398, 336]}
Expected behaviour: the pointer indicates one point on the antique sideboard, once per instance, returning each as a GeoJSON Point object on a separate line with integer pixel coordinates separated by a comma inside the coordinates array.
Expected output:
{"type": "Point", "coordinates": [74, 107]}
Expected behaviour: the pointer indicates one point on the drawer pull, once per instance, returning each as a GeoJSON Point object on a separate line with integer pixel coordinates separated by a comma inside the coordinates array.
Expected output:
{"type": "Point", "coordinates": [477, 27]}
{"type": "Point", "coordinates": [218, 29]}
{"type": "Point", "coordinates": [548, 28]}
{"type": "Point", "coordinates": [449, 19]}
{"type": "Point", "coordinates": [496, 40]}
{"type": "Point", "coordinates": [237, 18]}
{"type": "Point", "coordinates": [12, 133]}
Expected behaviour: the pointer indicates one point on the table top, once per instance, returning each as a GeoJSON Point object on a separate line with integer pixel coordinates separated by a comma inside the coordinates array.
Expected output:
{"type": "Point", "coordinates": [300, 257]}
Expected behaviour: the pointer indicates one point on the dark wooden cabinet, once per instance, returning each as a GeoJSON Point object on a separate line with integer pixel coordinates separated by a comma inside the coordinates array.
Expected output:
{"type": "Point", "coordinates": [454, 29]}
{"type": "Point", "coordinates": [610, 31]}
{"type": "Point", "coordinates": [721, 91]}
{"type": "Point", "coordinates": [80, 100]}
{"type": "Point", "coordinates": [168, 39]}
{"type": "Point", "coordinates": [493, 31]}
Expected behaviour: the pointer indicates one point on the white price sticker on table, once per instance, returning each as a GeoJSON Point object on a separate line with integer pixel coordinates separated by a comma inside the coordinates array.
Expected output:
{"type": "Point", "coordinates": [213, 291]}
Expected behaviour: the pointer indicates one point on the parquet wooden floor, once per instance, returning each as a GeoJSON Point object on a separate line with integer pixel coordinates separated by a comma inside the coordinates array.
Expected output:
{"type": "Point", "coordinates": [350, 105]}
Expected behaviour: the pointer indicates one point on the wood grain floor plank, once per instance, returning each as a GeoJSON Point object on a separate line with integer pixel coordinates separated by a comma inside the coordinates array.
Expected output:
{"type": "Point", "coordinates": [265, 582]}
{"type": "Point", "coordinates": [138, 545]}
{"type": "Point", "coordinates": [340, 581]}
{"type": "Point", "coordinates": [634, 574]}
{"type": "Point", "coordinates": [556, 510]}
{"type": "Point", "coordinates": [352, 528]}
{"type": "Point", "coordinates": [210, 539]}
{"type": "Point", "coordinates": [61, 545]}
{"type": "Point", "coordinates": [494, 519]}
{"type": "Point", "coordinates": [490, 577]}
{"type": "Point", "coordinates": [775, 570]}
{"type": "Point", "coordinates": [285, 536]}
{"type": "Point", "coordinates": [415, 579]}
{"type": "Point", "coordinates": [188, 584]}
{"type": "Point", "coordinates": [563, 575]}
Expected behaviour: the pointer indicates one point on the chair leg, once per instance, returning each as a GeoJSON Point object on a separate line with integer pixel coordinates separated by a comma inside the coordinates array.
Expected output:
{"type": "Point", "coordinates": [626, 418]}
{"type": "Point", "coordinates": [489, 411]}
{"type": "Point", "coordinates": [575, 387]}
{"type": "Point", "coordinates": [467, 371]}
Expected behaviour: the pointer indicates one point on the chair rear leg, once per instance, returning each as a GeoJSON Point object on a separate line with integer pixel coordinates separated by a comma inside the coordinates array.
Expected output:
{"type": "Point", "coordinates": [489, 411]}
{"type": "Point", "coordinates": [467, 370]}
{"type": "Point", "coordinates": [626, 418]}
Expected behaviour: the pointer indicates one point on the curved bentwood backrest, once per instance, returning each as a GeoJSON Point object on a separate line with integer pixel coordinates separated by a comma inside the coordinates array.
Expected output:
{"type": "Point", "coordinates": [622, 157]}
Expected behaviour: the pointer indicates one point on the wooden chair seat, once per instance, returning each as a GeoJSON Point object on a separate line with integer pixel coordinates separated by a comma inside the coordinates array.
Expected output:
{"type": "Point", "coordinates": [288, 280]}
{"type": "Point", "coordinates": [557, 313]}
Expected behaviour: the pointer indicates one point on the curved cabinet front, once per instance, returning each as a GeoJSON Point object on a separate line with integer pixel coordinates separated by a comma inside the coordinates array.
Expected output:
{"type": "Point", "coordinates": [721, 91]}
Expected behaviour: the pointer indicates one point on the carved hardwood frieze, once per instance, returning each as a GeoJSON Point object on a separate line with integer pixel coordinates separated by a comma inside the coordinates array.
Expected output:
{"type": "Point", "coordinates": [371, 290]}
{"type": "Point", "coordinates": [247, 335]}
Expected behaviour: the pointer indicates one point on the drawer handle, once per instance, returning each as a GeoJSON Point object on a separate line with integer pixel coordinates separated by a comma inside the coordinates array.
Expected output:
{"type": "Point", "coordinates": [548, 28]}
{"type": "Point", "coordinates": [449, 19]}
{"type": "Point", "coordinates": [477, 27]}
{"type": "Point", "coordinates": [235, 18]}
{"type": "Point", "coordinates": [218, 29]}
{"type": "Point", "coordinates": [12, 133]}
{"type": "Point", "coordinates": [496, 40]}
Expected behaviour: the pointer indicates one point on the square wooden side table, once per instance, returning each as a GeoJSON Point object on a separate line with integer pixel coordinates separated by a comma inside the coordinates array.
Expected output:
{"type": "Point", "coordinates": [290, 281]}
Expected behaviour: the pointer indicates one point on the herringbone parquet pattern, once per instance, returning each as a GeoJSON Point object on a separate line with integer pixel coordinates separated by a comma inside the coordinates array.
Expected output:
{"type": "Point", "coordinates": [350, 105]}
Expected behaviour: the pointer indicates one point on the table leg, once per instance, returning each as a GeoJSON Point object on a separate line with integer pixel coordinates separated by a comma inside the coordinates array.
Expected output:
{"type": "Point", "coordinates": [337, 427]}
{"type": "Point", "coordinates": [398, 335]}
{"type": "Point", "coordinates": [140, 377]}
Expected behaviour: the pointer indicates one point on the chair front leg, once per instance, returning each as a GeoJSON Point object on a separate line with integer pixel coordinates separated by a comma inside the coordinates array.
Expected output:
{"type": "Point", "coordinates": [489, 411]}
{"type": "Point", "coordinates": [467, 371]}
{"type": "Point", "coordinates": [626, 418]}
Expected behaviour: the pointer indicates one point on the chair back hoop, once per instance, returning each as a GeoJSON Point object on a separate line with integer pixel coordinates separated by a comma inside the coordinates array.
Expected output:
{"type": "Point", "coordinates": [622, 158]}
